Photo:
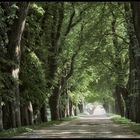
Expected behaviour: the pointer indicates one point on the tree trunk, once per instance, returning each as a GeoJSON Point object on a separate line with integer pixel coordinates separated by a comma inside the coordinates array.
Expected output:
{"type": "Point", "coordinates": [106, 107]}
{"type": "Point", "coordinates": [1, 118]}
{"type": "Point", "coordinates": [24, 114]}
{"type": "Point", "coordinates": [130, 84]}
{"type": "Point", "coordinates": [75, 111]}
{"type": "Point", "coordinates": [138, 109]}
{"type": "Point", "coordinates": [13, 112]}
{"type": "Point", "coordinates": [135, 6]}
{"type": "Point", "coordinates": [70, 107]}
{"type": "Point", "coordinates": [119, 101]}
{"type": "Point", "coordinates": [81, 107]}
{"type": "Point", "coordinates": [37, 117]}
{"type": "Point", "coordinates": [124, 92]}
{"type": "Point", "coordinates": [52, 35]}
{"type": "Point", "coordinates": [67, 108]}
{"type": "Point", "coordinates": [14, 55]}
{"type": "Point", "coordinates": [63, 97]}
{"type": "Point", "coordinates": [133, 22]}
{"type": "Point", "coordinates": [7, 120]}
{"type": "Point", "coordinates": [54, 104]}
{"type": "Point", "coordinates": [30, 113]}
{"type": "Point", "coordinates": [136, 20]}
{"type": "Point", "coordinates": [27, 113]}
{"type": "Point", "coordinates": [43, 112]}
{"type": "Point", "coordinates": [63, 113]}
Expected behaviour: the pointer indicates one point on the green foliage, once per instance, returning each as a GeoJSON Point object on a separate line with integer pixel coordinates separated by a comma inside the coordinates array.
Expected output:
{"type": "Point", "coordinates": [38, 9]}
{"type": "Point", "coordinates": [99, 64]}
{"type": "Point", "coordinates": [121, 120]}
{"type": "Point", "coordinates": [33, 78]}
{"type": "Point", "coordinates": [95, 74]}
{"type": "Point", "coordinates": [16, 131]}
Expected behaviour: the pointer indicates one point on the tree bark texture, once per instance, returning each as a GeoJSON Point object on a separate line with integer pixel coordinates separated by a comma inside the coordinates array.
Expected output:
{"type": "Point", "coordinates": [14, 52]}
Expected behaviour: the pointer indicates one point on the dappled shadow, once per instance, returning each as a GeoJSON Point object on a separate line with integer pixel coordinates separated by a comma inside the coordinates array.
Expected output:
{"type": "Point", "coordinates": [84, 127]}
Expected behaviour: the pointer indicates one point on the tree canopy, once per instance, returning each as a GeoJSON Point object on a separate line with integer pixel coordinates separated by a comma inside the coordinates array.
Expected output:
{"type": "Point", "coordinates": [61, 55]}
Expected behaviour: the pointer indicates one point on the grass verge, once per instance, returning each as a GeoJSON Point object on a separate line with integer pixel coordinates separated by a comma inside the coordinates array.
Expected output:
{"type": "Point", "coordinates": [16, 131]}
{"type": "Point", "coordinates": [122, 120]}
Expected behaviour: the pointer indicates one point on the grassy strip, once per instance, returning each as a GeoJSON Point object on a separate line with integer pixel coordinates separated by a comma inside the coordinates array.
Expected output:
{"type": "Point", "coordinates": [122, 120]}
{"type": "Point", "coordinates": [16, 131]}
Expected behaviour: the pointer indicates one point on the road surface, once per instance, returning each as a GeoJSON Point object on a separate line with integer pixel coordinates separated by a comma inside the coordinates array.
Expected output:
{"type": "Point", "coordinates": [87, 126]}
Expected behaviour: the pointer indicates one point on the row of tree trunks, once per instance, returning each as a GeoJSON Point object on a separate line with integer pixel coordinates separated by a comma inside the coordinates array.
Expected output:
{"type": "Point", "coordinates": [64, 111]}
{"type": "Point", "coordinates": [53, 52]}
{"type": "Point", "coordinates": [133, 24]}
{"type": "Point", "coordinates": [135, 6]}
{"type": "Point", "coordinates": [119, 101]}
{"type": "Point", "coordinates": [32, 114]}
{"type": "Point", "coordinates": [57, 39]}
{"type": "Point", "coordinates": [64, 80]}
{"type": "Point", "coordinates": [6, 110]}
{"type": "Point", "coordinates": [53, 16]}
{"type": "Point", "coordinates": [27, 117]}
{"type": "Point", "coordinates": [22, 113]}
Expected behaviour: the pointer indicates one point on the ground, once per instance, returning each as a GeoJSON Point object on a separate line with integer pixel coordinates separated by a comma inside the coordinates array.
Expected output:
{"type": "Point", "coordinates": [86, 126]}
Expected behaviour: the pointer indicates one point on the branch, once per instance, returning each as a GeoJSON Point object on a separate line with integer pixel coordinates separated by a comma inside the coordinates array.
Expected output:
{"type": "Point", "coordinates": [118, 36]}
{"type": "Point", "coordinates": [72, 64]}
{"type": "Point", "coordinates": [74, 56]}
{"type": "Point", "coordinates": [110, 57]}
{"type": "Point", "coordinates": [70, 21]}
{"type": "Point", "coordinates": [109, 68]}
{"type": "Point", "coordinates": [60, 21]}
{"type": "Point", "coordinates": [80, 16]}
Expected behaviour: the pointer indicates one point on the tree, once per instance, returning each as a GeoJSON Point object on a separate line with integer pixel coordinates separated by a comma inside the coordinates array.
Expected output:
{"type": "Point", "coordinates": [60, 55]}
{"type": "Point", "coordinates": [13, 27]}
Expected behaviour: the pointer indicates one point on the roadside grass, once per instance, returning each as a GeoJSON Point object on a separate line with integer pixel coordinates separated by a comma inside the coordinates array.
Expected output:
{"type": "Point", "coordinates": [122, 120]}
{"type": "Point", "coordinates": [25, 129]}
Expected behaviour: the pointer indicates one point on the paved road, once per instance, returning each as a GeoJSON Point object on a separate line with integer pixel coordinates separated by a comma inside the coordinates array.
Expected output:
{"type": "Point", "coordinates": [84, 127]}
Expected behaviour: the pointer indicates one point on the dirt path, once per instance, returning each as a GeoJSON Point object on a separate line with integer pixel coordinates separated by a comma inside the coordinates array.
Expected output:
{"type": "Point", "coordinates": [84, 127]}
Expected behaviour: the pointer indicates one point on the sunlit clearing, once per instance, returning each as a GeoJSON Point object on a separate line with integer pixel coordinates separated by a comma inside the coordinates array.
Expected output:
{"type": "Point", "coordinates": [94, 109]}
{"type": "Point", "coordinates": [99, 110]}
